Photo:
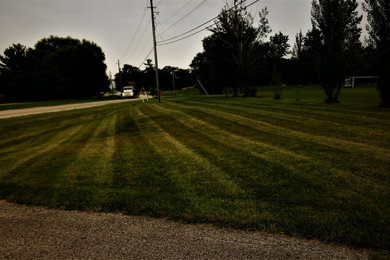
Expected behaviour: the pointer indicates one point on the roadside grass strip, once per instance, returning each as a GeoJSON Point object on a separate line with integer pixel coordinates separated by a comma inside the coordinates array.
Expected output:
{"type": "Point", "coordinates": [297, 168]}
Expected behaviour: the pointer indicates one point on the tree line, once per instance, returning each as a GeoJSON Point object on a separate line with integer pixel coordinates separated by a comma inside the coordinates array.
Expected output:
{"type": "Point", "coordinates": [56, 68]}
{"type": "Point", "coordinates": [237, 56]}
{"type": "Point", "coordinates": [171, 78]}
{"type": "Point", "coordinates": [240, 56]}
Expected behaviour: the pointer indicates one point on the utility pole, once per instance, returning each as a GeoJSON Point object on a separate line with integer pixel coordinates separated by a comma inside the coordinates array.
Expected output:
{"type": "Point", "coordinates": [120, 75]}
{"type": "Point", "coordinates": [173, 79]}
{"type": "Point", "coordinates": [155, 50]}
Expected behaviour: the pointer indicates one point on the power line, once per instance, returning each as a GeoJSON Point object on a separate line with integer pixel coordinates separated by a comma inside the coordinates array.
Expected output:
{"type": "Point", "coordinates": [201, 25]}
{"type": "Point", "coordinates": [193, 29]}
{"type": "Point", "coordinates": [143, 34]}
{"type": "Point", "coordinates": [181, 36]}
{"type": "Point", "coordinates": [185, 37]}
{"type": "Point", "coordinates": [137, 51]}
{"type": "Point", "coordinates": [175, 53]}
{"type": "Point", "coordinates": [178, 11]}
{"type": "Point", "coordinates": [136, 32]}
{"type": "Point", "coordinates": [192, 10]}
{"type": "Point", "coordinates": [147, 56]}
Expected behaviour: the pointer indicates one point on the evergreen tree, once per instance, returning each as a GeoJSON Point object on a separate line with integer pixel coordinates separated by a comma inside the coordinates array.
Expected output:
{"type": "Point", "coordinates": [379, 29]}
{"type": "Point", "coordinates": [337, 22]}
{"type": "Point", "coordinates": [14, 71]}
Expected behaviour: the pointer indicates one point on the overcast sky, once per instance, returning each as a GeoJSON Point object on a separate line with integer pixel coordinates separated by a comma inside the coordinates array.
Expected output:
{"type": "Point", "coordinates": [122, 28]}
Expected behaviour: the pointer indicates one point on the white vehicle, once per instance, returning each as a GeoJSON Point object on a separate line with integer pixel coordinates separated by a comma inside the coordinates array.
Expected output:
{"type": "Point", "coordinates": [128, 91]}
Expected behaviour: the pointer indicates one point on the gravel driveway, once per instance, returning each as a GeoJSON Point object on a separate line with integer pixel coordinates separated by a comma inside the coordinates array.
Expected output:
{"type": "Point", "coordinates": [36, 232]}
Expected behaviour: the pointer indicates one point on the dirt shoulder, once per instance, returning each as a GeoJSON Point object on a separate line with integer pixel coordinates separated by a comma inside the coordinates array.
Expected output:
{"type": "Point", "coordinates": [36, 232]}
{"type": "Point", "coordinates": [49, 109]}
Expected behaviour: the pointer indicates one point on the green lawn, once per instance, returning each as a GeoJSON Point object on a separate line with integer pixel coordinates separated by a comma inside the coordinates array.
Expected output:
{"type": "Point", "coordinates": [295, 166]}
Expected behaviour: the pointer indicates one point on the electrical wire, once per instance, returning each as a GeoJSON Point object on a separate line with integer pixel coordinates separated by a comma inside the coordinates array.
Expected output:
{"type": "Point", "coordinates": [178, 11]}
{"type": "Point", "coordinates": [175, 53]}
{"type": "Point", "coordinates": [136, 32]}
{"type": "Point", "coordinates": [183, 38]}
{"type": "Point", "coordinates": [201, 25]}
{"type": "Point", "coordinates": [147, 56]}
{"type": "Point", "coordinates": [172, 39]}
{"type": "Point", "coordinates": [143, 34]}
{"type": "Point", "coordinates": [192, 10]}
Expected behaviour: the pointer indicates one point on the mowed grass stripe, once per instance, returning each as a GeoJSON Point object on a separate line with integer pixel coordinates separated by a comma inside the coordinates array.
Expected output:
{"type": "Point", "coordinates": [279, 192]}
{"type": "Point", "coordinates": [322, 126]}
{"type": "Point", "coordinates": [338, 176]}
{"type": "Point", "coordinates": [13, 133]}
{"type": "Point", "coordinates": [212, 130]}
{"type": "Point", "coordinates": [356, 105]}
{"type": "Point", "coordinates": [273, 154]}
{"type": "Point", "coordinates": [141, 183]}
{"type": "Point", "coordinates": [337, 199]}
{"type": "Point", "coordinates": [248, 168]}
{"type": "Point", "coordinates": [26, 153]}
{"type": "Point", "coordinates": [314, 125]}
{"type": "Point", "coordinates": [205, 186]}
{"type": "Point", "coordinates": [171, 147]}
{"type": "Point", "coordinates": [92, 164]}
{"type": "Point", "coordinates": [41, 175]}
{"type": "Point", "coordinates": [321, 112]}
{"type": "Point", "coordinates": [30, 132]}
{"type": "Point", "coordinates": [215, 202]}
{"type": "Point", "coordinates": [367, 116]}
{"type": "Point", "coordinates": [51, 162]}
{"type": "Point", "coordinates": [342, 147]}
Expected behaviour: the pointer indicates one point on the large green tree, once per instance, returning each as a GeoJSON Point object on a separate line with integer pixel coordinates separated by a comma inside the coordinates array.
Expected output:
{"type": "Point", "coordinates": [337, 22]}
{"type": "Point", "coordinates": [236, 35]}
{"type": "Point", "coordinates": [77, 67]}
{"type": "Point", "coordinates": [277, 48]}
{"type": "Point", "coordinates": [379, 29]}
{"type": "Point", "coordinates": [238, 55]}
{"type": "Point", "coordinates": [304, 54]}
{"type": "Point", "coordinates": [55, 68]}
{"type": "Point", "coordinates": [14, 71]}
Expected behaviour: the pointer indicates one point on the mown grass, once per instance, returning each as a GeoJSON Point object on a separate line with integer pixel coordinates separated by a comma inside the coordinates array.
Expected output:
{"type": "Point", "coordinates": [295, 166]}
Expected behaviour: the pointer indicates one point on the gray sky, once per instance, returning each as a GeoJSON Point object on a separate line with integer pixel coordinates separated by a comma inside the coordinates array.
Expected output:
{"type": "Point", "coordinates": [113, 24]}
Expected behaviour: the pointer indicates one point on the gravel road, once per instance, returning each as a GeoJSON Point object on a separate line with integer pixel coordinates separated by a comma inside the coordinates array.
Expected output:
{"type": "Point", "coordinates": [37, 232]}
{"type": "Point", "coordinates": [50, 109]}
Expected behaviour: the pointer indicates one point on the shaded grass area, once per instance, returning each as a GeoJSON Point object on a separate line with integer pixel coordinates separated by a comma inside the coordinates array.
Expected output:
{"type": "Point", "coordinates": [295, 166]}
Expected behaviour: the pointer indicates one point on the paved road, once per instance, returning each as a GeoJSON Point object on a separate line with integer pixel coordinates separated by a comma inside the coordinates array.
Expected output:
{"type": "Point", "coordinates": [49, 109]}
{"type": "Point", "coordinates": [36, 232]}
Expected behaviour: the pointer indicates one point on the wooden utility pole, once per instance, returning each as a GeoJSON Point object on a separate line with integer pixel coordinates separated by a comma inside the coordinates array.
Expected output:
{"type": "Point", "coordinates": [173, 79]}
{"type": "Point", "coordinates": [120, 75]}
{"type": "Point", "coordinates": [155, 50]}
